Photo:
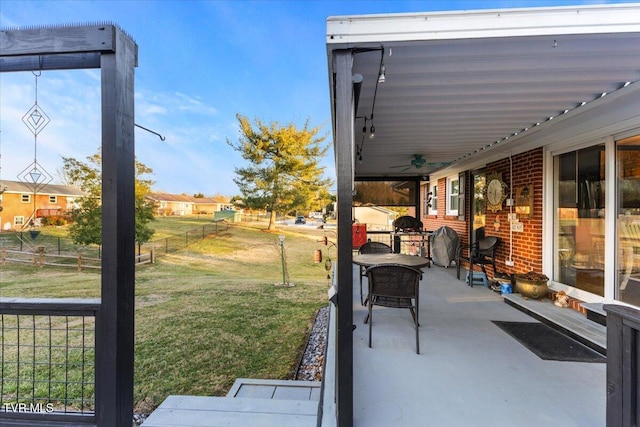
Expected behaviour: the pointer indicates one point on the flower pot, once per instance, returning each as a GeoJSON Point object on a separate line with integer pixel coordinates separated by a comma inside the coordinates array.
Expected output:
{"type": "Point", "coordinates": [535, 289]}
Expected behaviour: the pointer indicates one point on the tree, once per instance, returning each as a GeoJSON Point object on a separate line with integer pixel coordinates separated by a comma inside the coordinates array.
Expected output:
{"type": "Point", "coordinates": [87, 218]}
{"type": "Point", "coordinates": [284, 174]}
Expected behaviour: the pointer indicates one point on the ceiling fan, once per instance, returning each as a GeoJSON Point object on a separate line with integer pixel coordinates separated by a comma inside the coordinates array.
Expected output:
{"type": "Point", "coordinates": [418, 162]}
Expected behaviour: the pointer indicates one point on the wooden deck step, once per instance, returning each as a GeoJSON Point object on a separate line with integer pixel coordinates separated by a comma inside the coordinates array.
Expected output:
{"type": "Point", "coordinates": [568, 321]}
{"type": "Point", "coordinates": [249, 402]}
{"type": "Point", "coordinates": [275, 389]}
{"type": "Point", "coordinates": [204, 411]}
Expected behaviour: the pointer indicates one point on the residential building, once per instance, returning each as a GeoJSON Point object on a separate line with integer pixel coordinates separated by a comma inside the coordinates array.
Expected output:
{"type": "Point", "coordinates": [21, 205]}
{"type": "Point", "coordinates": [375, 217]}
{"type": "Point", "coordinates": [180, 204]}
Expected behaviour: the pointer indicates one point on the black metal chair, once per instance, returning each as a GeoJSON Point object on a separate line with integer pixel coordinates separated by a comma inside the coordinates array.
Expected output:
{"type": "Point", "coordinates": [482, 252]}
{"type": "Point", "coordinates": [396, 286]}
{"type": "Point", "coordinates": [371, 248]}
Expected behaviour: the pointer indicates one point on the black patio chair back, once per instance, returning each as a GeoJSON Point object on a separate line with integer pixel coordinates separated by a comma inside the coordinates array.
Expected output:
{"type": "Point", "coordinates": [374, 248]}
{"type": "Point", "coordinates": [482, 252]}
{"type": "Point", "coordinates": [395, 286]}
{"type": "Point", "coordinates": [371, 248]}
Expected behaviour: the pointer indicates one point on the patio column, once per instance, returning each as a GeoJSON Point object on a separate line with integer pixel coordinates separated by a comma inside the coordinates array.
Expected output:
{"type": "Point", "coordinates": [344, 120]}
{"type": "Point", "coordinates": [115, 325]}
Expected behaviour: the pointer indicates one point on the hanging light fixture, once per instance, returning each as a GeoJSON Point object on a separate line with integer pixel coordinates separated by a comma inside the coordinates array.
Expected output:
{"type": "Point", "coordinates": [381, 79]}
{"type": "Point", "coordinates": [381, 76]}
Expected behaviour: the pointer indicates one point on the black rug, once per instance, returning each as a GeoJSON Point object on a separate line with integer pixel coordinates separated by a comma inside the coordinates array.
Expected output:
{"type": "Point", "coordinates": [549, 344]}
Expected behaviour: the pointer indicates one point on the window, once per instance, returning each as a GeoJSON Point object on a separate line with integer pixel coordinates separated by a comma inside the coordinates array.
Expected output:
{"type": "Point", "coordinates": [433, 209]}
{"type": "Point", "coordinates": [18, 220]}
{"type": "Point", "coordinates": [453, 193]}
{"type": "Point", "coordinates": [425, 199]}
{"type": "Point", "coordinates": [462, 179]}
{"type": "Point", "coordinates": [26, 198]}
{"type": "Point", "coordinates": [53, 199]}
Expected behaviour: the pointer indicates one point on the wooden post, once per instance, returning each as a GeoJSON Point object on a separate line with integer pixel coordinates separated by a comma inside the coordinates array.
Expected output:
{"type": "Point", "coordinates": [344, 165]}
{"type": "Point", "coordinates": [115, 321]}
{"type": "Point", "coordinates": [79, 262]}
{"type": "Point", "coordinates": [4, 256]}
{"type": "Point", "coordinates": [623, 361]}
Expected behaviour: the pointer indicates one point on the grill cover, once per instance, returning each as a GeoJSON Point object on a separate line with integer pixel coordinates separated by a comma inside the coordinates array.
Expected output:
{"type": "Point", "coordinates": [444, 245]}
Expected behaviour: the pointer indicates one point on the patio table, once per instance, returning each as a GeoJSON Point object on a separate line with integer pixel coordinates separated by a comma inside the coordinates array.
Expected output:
{"type": "Point", "coordinates": [369, 260]}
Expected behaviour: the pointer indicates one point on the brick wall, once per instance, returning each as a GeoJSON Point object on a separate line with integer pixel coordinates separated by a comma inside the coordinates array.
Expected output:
{"type": "Point", "coordinates": [432, 222]}
{"type": "Point", "coordinates": [526, 245]}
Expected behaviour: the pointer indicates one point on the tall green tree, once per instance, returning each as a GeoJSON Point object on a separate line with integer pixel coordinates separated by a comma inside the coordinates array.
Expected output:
{"type": "Point", "coordinates": [284, 172]}
{"type": "Point", "coordinates": [87, 218]}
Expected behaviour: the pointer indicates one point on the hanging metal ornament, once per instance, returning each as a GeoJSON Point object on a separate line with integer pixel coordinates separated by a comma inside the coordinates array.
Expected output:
{"type": "Point", "coordinates": [34, 175]}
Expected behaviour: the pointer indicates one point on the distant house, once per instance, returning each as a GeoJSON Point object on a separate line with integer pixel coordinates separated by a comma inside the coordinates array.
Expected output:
{"type": "Point", "coordinates": [181, 204]}
{"type": "Point", "coordinates": [377, 218]}
{"type": "Point", "coordinates": [21, 207]}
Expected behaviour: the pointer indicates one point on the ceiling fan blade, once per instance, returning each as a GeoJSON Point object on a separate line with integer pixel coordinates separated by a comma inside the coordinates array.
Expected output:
{"type": "Point", "coordinates": [400, 166]}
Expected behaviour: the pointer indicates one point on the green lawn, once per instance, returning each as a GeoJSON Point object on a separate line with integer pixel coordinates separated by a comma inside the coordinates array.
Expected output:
{"type": "Point", "coordinates": [207, 314]}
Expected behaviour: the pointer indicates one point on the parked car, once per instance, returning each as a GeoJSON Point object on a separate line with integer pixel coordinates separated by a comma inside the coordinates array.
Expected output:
{"type": "Point", "coordinates": [300, 220]}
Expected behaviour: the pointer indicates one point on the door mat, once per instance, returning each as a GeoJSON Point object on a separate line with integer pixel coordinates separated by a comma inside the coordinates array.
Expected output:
{"type": "Point", "coordinates": [549, 344]}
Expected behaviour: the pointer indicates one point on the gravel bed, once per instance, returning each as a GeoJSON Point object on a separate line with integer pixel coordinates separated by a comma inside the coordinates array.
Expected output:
{"type": "Point", "coordinates": [310, 368]}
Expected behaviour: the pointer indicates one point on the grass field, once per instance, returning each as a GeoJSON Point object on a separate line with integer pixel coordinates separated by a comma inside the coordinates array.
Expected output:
{"type": "Point", "coordinates": [207, 314]}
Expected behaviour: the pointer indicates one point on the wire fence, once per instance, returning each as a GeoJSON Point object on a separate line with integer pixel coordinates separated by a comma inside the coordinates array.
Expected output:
{"type": "Point", "coordinates": [47, 358]}
{"type": "Point", "coordinates": [43, 250]}
{"type": "Point", "coordinates": [180, 241]}
{"type": "Point", "coordinates": [35, 242]}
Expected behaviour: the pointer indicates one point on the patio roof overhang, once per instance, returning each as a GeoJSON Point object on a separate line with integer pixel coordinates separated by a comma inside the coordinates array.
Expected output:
{"type": "Point", "coordinates": [462, 86]}
{"type": "Point", "coordinates": [463, 89]}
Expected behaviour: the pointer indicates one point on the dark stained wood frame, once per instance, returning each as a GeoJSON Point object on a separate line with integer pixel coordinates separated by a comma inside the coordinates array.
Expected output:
{"type": "Point", "coordinates": [344, 87]}
{"type": "Point", "coordinates": [623, 365]}
{"type": "Point", "coordinates": [106, 47]}
{"type": "Point", "coordinates": [344, 98]}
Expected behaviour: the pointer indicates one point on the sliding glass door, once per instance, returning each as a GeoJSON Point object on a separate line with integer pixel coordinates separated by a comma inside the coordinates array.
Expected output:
{"type": "Point", "coordinates": [579, 212]}
{"type": "Point", "coordinates": [628, 220]}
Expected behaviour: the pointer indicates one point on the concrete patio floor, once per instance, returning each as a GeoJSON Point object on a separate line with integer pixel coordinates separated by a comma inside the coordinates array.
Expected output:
{"type": "Point", "coordinates": [469, 372]}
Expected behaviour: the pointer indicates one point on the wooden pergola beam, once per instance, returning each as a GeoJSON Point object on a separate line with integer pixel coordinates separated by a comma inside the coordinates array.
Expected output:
{"type": "Point", "coordinates": [62, 61]}
{"type": "Point", "coordinates": [62, 39]}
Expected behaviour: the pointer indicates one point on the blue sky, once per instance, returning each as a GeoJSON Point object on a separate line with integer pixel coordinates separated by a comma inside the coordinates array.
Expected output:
{"type": "Point", "coordinates": [200, 64]}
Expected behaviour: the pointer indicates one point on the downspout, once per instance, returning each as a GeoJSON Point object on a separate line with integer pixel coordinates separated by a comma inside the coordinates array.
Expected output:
{"type": "Point", "coordinates": [510, 203]}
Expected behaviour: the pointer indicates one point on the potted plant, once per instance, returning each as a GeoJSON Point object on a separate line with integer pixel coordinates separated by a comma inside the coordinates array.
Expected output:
{"type": "Point", "coordinates": [532, 285]}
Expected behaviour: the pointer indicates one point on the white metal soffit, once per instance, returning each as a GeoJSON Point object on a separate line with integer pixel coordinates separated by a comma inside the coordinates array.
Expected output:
{"type": "Point", "coordinates": [459, 83]}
